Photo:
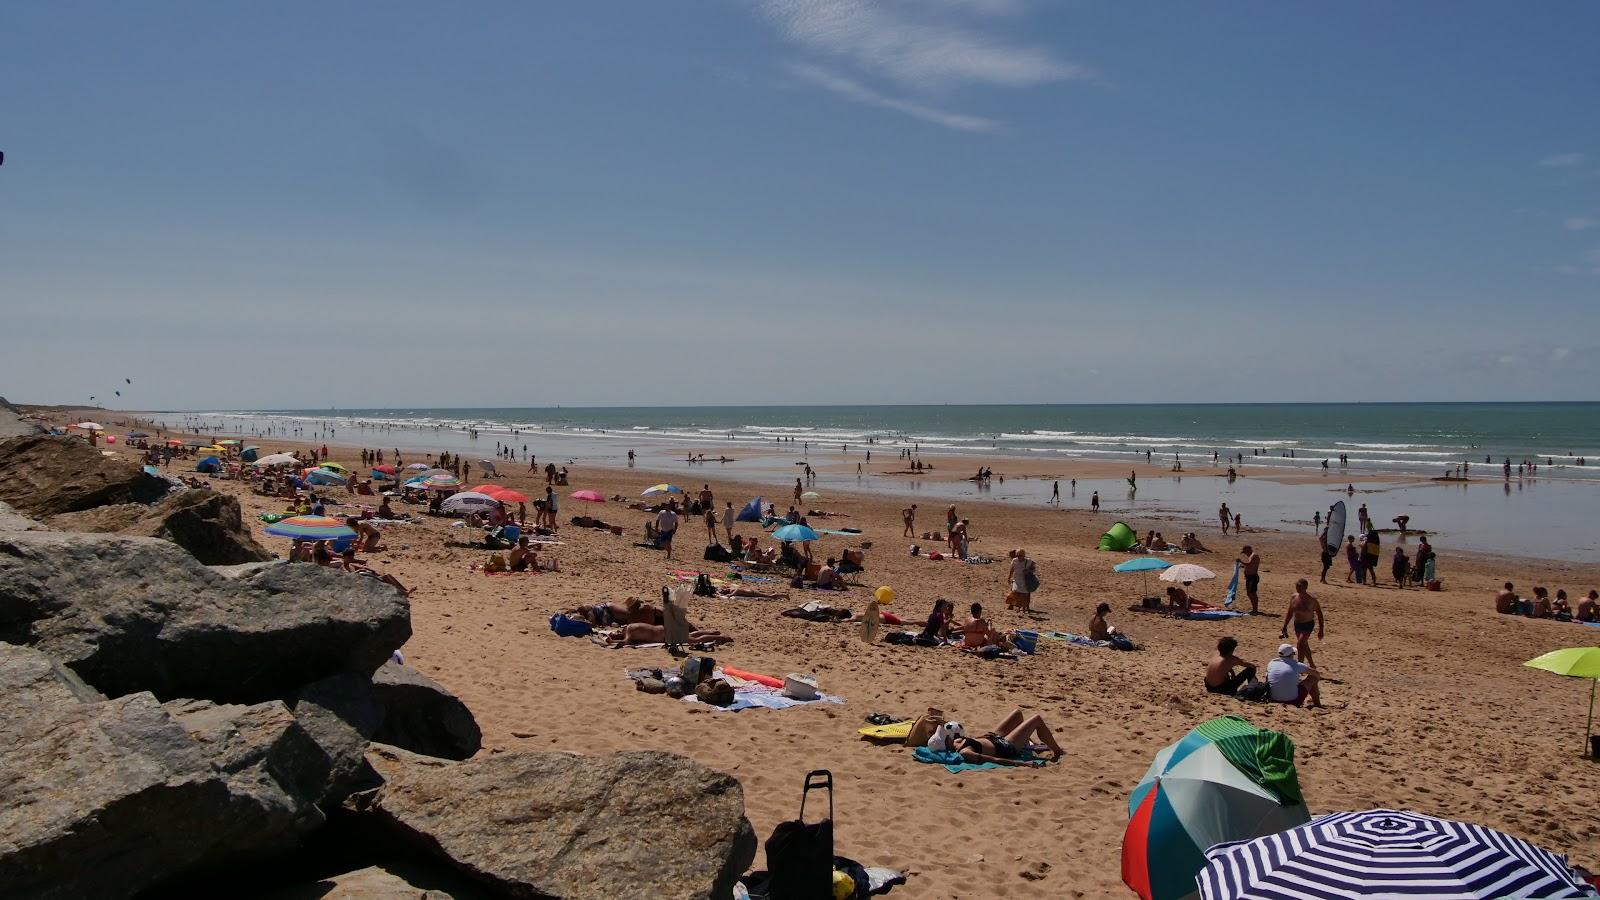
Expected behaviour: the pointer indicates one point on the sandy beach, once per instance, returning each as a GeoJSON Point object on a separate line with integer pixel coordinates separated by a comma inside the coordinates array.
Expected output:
{"type": "Point", "coordinates": [1428, 706]}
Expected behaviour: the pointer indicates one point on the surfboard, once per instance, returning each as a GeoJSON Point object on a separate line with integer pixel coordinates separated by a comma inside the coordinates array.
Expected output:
{"type": "Point", "coordinates": [1336, 525]}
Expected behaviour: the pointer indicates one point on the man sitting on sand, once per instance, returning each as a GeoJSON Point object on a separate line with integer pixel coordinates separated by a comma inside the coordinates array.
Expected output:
{"type": "Point", "coordinates": [638, 633]}
{"type": "Point", "coordinates": [1505, 601]}
{"type": "Point", "coordinates": [828, 576]}
{"type": "Point", "coordinates": [1008, 743]}
{"type": "Point", "coordinates": [1589, 608]}
{"type": "Point", "coordinates": [1226, 673]}
{"type": "Point", "coordinates": [348, 561]}
{"type": "Point", "coordinates": [977, 633]}
{"type": "Point", "coordinates": [1099, 628]}
{"type": "Point", "coordinates": [1291, 681]}
{"type": "Point", "coordinates": [1191, 544]}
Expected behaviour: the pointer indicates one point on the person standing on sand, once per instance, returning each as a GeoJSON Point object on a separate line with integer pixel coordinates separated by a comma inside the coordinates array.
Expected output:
{"type": "Point", "coordinates": [728, 518]}
{"type": "Point", "coordinates": [909, 517]}
{"type": "Point", "coordinates": [1327, 554]}
{"type": "Point", "coordinates": [1352, 558]}
{"type": "Point", "coordinates": [1400, 568]}
{"type": "Point", "coordinates": [1055, 493]}
{"type": "Point", "coordinates": [711, 526]}
{"type": "Point", "coordinates": [1094, 502]}
{"type": "Point", "coordinates": [666, 526]}
{"type": "Point", "coordinates": [798, 490]}
{"type": "Point", "coordinates": [1018, 580]}
{"type": "Point", "coordinates": [1306, 615]}
{"type": "Point", "coordinates": [1224, 515]}
{"type": "Point", "coordinates": [1250, 561]}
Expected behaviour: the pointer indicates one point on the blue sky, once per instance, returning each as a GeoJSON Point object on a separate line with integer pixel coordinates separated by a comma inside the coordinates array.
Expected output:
{"type": "Point", "coordinates": [741, 201]}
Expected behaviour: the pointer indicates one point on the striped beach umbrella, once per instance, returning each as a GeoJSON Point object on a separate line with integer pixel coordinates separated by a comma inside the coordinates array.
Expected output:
{"type": "Point", "coordinates": [468, 502]}
{"type": "Point", "coordinates": [657, 489]}
{"type": "Point", "coordinates": [1386, 853]}
{"type": "Point", "coordinates": [311, 528]}
{"type": "Point", "coordinates": [440, 481]}
{"type": "Point", "coordinates": [1225, 781]}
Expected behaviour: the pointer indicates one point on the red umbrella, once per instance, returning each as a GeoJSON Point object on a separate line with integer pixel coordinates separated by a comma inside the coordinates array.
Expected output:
{"type": "Point", "coordinates": [589, 496]}
{"type": "Point", "coordinates": [387, 470]}
{"type": "Point", "coordinates": [503, 494]}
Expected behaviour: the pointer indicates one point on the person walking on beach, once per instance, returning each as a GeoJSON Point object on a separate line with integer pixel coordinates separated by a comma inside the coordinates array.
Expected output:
{"type": "Point", "coordinates": [711, 526]}
{"type": "Point", "coordinates": [1305, 613]}
{"type": "Point", "coordinates": [666, 526]}
{"type": "Point", "coordinates": [1352, 558]}
{"type": "Point", "coordinates": [1224, 515]}
{"type": "Point", "coordinates": [1094, 502]}
{"type": "Point", "coordinates": [1327, 554]}
{"type": "Point", "coordinates": [909, 517]}
{"type": "Point", "coordinates": [1400, 568]}
{"type": "Point", "coordinates": [1369, 555]}
{"type": "Point", "coordinates": [1361, 518]}
{"type": "Point", "coordinates": [728, 517]}
{"type": "Point", "coordinates": [1250, 562]}
{"type": "Point", "coordinates": [1055, 493]}
{"type": "Point", "coordinates": [798, 490]}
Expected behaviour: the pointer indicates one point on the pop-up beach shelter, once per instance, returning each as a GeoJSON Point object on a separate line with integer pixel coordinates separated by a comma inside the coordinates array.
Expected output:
{"type": "Point", "coordinates": [1118, 537]}
{"type": "Point", "coordinates": [751, 511]}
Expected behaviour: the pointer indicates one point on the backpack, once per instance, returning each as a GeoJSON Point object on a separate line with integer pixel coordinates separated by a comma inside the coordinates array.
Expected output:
{"type": "Point", "coordinates": [1120, 641]}
{"type": "Point", "coordinates": [800, 856]}
{"type": "Point", "coordinates": [496, 563]}
{"type": "Point", "coordinates": [1252, 690]}
{"type": "Point", "coordinates": [567, 626]}
{"type": "Point", "coordinates": [715, 691]}
{"type": "Point", "coordinates": [717, 553]}
{"type": "Point", "coordinates": [703, 586]}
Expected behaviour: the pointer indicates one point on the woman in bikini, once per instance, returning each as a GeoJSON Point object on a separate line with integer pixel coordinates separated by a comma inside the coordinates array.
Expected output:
{"type": "Point", "coordinates": [1008, 743]}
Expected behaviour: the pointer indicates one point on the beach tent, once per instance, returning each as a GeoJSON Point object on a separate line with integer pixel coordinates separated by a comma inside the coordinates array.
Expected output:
{"type": "Point", "coordinates": [1225, 781]}
{"type": "Point", "coordinates": [1118, 537]}
{"type": "Point", "coordinates": [751, 511]}
{"type": "Point", "coordinates": [249, 454]}
{"type": "Point", "coordinates": [209, 464]}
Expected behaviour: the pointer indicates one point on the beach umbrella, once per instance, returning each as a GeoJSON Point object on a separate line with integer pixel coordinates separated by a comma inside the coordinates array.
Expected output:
{"type": "Point", "coordinates": [209, 464]}
{"type": "Point", "coordinates": [1144, 565]}
{"type": "Point", "coordinates": [588, 496]}
{"type": "Point", "coordinates": [214, 449]}
{"type": "Point", "coordinates": [1187, 572]}
{"type": "Point", "coordinates": [386, 470]}
{"type": "Point", "coordinates": [440, 481]}
{"type": "Point", "coordinates": [794, 533]}
{"type": "Point", "coordinates": [174, 442]}
{"type": "Point", "coordinates": [335, 467]}
{"type": "Point", "coordinates": [1386, 853]}
{"type": "Point", "coordinates": [500, 493]}
{"type": "Point", "coordinates": [811, 495]}
{"type": "Point", "coordinates": [90, 426]}
{"type": "Point", "coordinates": [1224, 781]}
{"type": "Point", "coordinates": [751, 511]}
{"type": "Point", "coordinates": [311, 528]}
{"type": "Point", "coordinates": [195, 444]}
{"type": "Point", "coordinates": [655, 490]}
{"type": "Point", "coordinates": [227, 443]}
{"type": "Point", "coordinates": [1574, 662]}
{"type": "Point", "coordinates": [379, 475]}
{"type": "Point", "coordinates": [468, 502]}
{"type": "Point", "coordinates": [137, 434]}
{"type": "Point", "coordinates": [418, 467]}
{"type": "Point", "coordinates": [277, 459]}
{"type": "Point", "coordinates": [152, 470]}
{"type": "Point", "coordinates": [325, 477]}
{"type": "Point", "coordinates": [249, 454]}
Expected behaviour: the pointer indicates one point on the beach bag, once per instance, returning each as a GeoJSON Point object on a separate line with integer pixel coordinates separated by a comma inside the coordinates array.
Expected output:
{"type": "Point", "coordinates": [715, 692]}
{"type": "Point", "coordinates": [923, 728]}
{"type": "Point", "coordinates": [1120, 641]}
{"type": "Point", "coordinates": [698, 668]}
{"type": "Point", "coordinates": [497, 563]}
{"type": "Point", "coordinates": [717, 553]}
{"type": "Point", "coordinates": [1030, 581]}
{"type": "Point", "coordinates": [1253, 689]}
{"type": "Point", "coordinates": [800, 856]}
{"type": "Point", "coordinates": [1025, 641]}
{"type": "Point", "coordinates": [899, 637]}
{"type": "Point", "coordinates": [567, 626]}
{"type": "Point", "coordinates": [703, 587]}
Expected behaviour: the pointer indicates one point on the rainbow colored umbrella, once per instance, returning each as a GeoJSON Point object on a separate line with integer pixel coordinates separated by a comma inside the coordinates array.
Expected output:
{"type": "Point", "coordinates": [1225, 781]}
{"type": "Point", "coordinates": [654, 490]}
{"type": "Point", "coordinates": [311, 528]}
{"type": "Point", "coordinates": [440, 481]}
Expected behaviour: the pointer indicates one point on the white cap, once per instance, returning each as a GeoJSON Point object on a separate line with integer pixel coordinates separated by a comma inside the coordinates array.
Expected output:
{"type": "Point", "coordinates": [1285, 649]}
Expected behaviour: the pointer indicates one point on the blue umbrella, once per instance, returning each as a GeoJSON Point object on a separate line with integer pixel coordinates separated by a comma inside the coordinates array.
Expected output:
{"type": "Point", "coordinates": [794, 533]}
{"type": "Point", "coordinates": [751, 511]}
{"type": "Point", "coordinates": [1385, 853]}
{"type": "Point", "coordinates": [1143, 565]}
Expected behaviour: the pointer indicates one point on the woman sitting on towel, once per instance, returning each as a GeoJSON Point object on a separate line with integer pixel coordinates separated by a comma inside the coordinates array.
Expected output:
{"type": "Point", "coordinates": [937, 629]}
{"type": "Point", "coordinates": [639, 633]}
{"type": "Point", "coordinates": [1008, 743]}
{"type": "Point", "coordinates": [978, 633]}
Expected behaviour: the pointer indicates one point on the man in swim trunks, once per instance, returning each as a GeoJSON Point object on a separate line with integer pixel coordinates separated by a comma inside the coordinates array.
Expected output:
{"type": "Point", "coordinates": [1178, 602]}
{"type": "Point", "coordinates": [1505, 602]}
{"type": "Point", "coordinates": [1589, 608]}
{"type": "Point", "coordinates": [1250, 561]}
{"type": "Point", "coordinates": [1306, 614]}
{"type": "Point", "coordinates": [1008, 743]}
{"type": "Point", "coordinates": [1226, 673]}
{"type": "Point", "coordinates": [522, 556]}
{"type": "Point", "coordinates": [909, 517]}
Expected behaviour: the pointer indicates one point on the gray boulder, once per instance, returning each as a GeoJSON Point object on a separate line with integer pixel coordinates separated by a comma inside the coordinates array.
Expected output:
{"type": "Point", "coordinates": [391, 881]}
{"type": "Point", "coordinates": [340, 714]}
{"type": "Point", "coordinates": [43, 476]}
{"type": "Point", "coordinates": [421, 716]}
{"type": "Point", "coordinates": [138, 614]}
{"type": "Point", "coordinates": [11, 520]}
{"type": "Point", "coordinates": [208, 524]}
{"type": "Point", "coordinates": [101, 798]}
{"type": "Point", "coordinates": [642, 824]}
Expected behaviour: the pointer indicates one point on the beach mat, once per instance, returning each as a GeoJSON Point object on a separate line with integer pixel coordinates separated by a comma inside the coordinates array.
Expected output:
{"type": "Point", "coordinates": [1076, 640]}
{"type": "Point", "coordinates": [894, 731]}
{"type": "Point", "coordinates": [955, 762]}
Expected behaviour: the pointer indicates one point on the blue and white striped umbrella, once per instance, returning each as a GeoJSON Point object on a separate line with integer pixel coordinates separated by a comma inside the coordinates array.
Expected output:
{"type": "Point", "coordinates": [1385, 853]}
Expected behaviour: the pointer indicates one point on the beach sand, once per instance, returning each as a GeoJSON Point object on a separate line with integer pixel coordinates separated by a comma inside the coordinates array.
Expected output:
{"type": "Point", "coordinates": [1431, 709]}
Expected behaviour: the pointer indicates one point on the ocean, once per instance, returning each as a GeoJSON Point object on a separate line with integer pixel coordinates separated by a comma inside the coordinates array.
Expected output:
{"type": "Point", "coordinates": [1410, 438]}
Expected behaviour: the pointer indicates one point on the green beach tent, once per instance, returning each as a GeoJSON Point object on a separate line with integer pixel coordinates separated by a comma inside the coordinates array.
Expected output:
{"type": "Point", "coordinates": [1118, 537]}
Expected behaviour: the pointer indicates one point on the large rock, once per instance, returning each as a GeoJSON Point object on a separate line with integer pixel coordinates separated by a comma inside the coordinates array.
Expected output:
{"type": "Point", "coordinates": [42, 476]}
{"type": "Point", "coordinates": [13, 423]}
{"type": "Point", "coordinates": [208, 524]}
{"type": "Point", "coordinates": [391, 881]}
{"type": "Point", "coordinates": [341, 715]}
{"type": "Point", "coordinates": [11, 520]}
{"type": "Point", "coordinates": [138, 614]}
{"type": "Point", "coordinates": [101, 798]}
{"type": "Point", "coordinates": [421, 716]}
{"type": "Point", "coordinates": [643, 824]}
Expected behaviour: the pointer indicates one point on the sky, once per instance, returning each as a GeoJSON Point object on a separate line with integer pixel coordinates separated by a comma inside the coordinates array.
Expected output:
{"type": "Point", "coordinates": [298, 205]}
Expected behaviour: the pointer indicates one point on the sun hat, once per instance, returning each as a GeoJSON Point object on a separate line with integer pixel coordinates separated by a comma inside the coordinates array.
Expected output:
{"type": "Point", "coordinates": [1285, 649]}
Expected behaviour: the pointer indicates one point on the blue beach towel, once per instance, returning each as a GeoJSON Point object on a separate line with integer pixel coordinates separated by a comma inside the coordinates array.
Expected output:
{"type": "Point", "coordinates": [953, 761]}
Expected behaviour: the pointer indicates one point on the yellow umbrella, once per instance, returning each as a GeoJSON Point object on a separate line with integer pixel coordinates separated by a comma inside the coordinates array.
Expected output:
{"type": "Point", "coordinates": [1574, 662]}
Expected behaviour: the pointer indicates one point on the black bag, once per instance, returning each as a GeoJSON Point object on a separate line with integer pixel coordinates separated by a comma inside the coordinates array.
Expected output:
{"type": "Point", "coordinates": [717, 553]}
{"type": "Point", "coordinates": [703, 586]}
{"type": "Point", "coordinates": [800, 856]}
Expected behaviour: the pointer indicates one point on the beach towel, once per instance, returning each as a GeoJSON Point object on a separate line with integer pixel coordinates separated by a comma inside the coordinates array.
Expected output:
{"type": "Point", "coordinates": [955, 762]}
{"type": "Point", "coordinates": [1233, 586]}
{"type": "Point", "coordinates": [1076, 640]}
{"type": "Point", "coordinates": [894, 731]}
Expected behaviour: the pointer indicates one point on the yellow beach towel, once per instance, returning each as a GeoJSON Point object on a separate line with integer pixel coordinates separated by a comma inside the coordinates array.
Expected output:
{"type": "Point", "coordinates": [897, 731]}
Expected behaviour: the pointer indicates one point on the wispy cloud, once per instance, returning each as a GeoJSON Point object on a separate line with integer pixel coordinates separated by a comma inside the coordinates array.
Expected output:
{"type": "Point", "coordinates": [1580, 223]}
{"type": "Point", "coordinates": [923, 46]}
{"type": "Point", "coordinates": [851, 90]}
{"type": "Point", "coordinates": [1563, 160]}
